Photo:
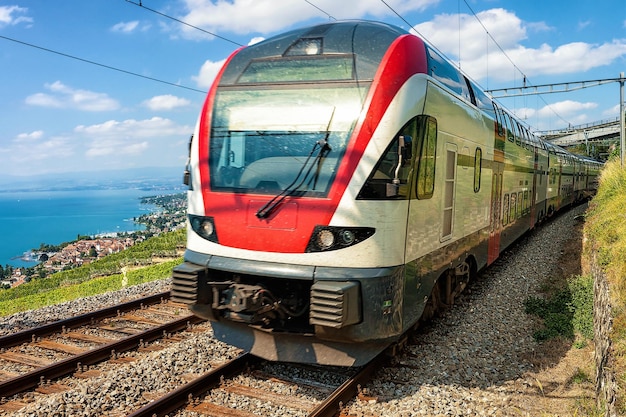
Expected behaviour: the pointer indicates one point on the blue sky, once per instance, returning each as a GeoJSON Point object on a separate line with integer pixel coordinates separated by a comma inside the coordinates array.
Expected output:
{"type": "Point", "coordinates": [59, 114]}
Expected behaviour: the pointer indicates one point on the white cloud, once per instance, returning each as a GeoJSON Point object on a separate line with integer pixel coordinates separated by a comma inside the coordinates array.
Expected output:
{"type": "Point", "coordinates": [8, 15]}
{"type": "Point", "coordinates": [52, 149]}
{"type": "Point", "coordinates": [165, 102]}
{"type": "Point", "coordinates": [480, 57]}
{"type": "Point", "coordinates": [111, 144]}
{"type": "Point", "coordinates": [264, 16]}
{"type": "Point", "coordinates": [256, 39]}
{"type": "Point", "coordinates": [208, 72]}
{"type": "Point", "coordinates": [564, 112]}
{"type": "Point", "coordinates": [44, 100]}
{"type": "Point", "coordinates": [567, 108]}
{"type": "Point", "coordinates": [125, 27]}
{"type": "Point", "coordinates": [32, 136]}
{"type": "Point", "coordinates": [65, 97]}
{"type": "Point", "coordinates": [130, 128]}
{"type": "Point", "coordinates": [612, 112]}
{"type": "Point", "coordinates": [117, 148]}
{"type": "Point", "coordinates": [128, 137]}
{"type": "Point", "coordinates": [443, 32]}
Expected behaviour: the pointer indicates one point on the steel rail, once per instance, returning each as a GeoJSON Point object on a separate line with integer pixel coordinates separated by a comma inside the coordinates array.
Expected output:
{"type": "Point", "coordinates": [179, 397]}
{"type": "Point", "coordinates": [67, 366]}
{"type": "Point", "coordinates": [27, 335]}
{"type": "Point", "coordinates": [332, 405]}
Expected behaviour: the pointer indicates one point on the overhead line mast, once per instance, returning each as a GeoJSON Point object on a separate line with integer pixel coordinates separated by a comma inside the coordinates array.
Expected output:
{"type": "Point", "coordinates": [549, 88]}
{"type": "Point", "coordinates": [566, 87]}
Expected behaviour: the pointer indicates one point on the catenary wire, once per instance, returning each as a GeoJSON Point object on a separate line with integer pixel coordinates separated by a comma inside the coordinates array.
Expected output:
{"type": "Point", "coordinates": [323, 11]}
{"type": "Point", "coordinates": [183, 22]}
{"type": "Point", "coordinates": [524, 77]}
{"type": "Point", "coordinates": [490, 36]}
{"type": "Point", "coordinates": [100, 64]}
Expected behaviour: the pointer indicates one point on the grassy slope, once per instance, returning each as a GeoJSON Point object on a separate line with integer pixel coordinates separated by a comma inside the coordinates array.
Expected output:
{"type": "Point", "coordinates": [143, 263]}
{"type": "Point", "coordinates": [606, 230]}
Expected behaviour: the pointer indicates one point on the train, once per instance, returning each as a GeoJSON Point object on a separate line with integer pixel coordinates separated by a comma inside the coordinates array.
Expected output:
{"type": "Point", "coordinates": [346, 182]}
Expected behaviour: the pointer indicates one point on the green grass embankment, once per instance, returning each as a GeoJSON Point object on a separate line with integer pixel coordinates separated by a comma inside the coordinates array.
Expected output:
{"type": "Point", "coordinates": [605, 228]}
{"type": "Point", "coordinates": [143, 263]}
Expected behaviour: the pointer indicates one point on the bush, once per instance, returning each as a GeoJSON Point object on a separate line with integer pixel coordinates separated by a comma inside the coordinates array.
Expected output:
{"type": "Point", "coordinates": [567, 312]}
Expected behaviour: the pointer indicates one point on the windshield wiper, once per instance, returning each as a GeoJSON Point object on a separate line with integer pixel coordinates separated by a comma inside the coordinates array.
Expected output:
{"type": "Point", "coordinates": [324, 149]}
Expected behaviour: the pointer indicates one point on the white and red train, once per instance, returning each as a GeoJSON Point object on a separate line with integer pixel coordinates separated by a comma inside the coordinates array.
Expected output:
{"type": "Point", "coordinates": [346, 181]}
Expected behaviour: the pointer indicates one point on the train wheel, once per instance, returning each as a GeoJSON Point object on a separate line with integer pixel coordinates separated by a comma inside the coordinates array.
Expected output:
{"type": "Point", "coordinates": [434, 303]}
{"type": "Point", "coordinates": [448, 287]}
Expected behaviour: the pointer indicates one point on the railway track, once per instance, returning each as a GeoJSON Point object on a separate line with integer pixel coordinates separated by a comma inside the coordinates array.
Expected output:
{"type": "Point", "coordinates": [34, 358]}
{"type": "Point", "coordinates": [473, 357]}
{"type": "Point", "coordinates": [233, 389]}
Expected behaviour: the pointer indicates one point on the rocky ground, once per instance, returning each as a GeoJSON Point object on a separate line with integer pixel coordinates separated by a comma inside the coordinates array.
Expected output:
{"type": "Point", "coordinates": [480, 359]}
{"type": "Point", "coordinates": [477, 359]}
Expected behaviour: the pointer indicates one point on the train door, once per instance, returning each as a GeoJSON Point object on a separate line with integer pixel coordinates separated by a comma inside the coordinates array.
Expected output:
{"type": "Point", "coordinates": [447, 223]}
{"type": "Point", "coordinates": [533, 197]}
{"type": "Point", "coordinates": [496, 206]}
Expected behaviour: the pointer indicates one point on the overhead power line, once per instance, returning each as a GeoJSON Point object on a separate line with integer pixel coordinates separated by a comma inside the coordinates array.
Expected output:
{"type": "Point", "coordinates": [525, 78]}
{"type": "Point", "coordinates": [101, 65]}
{"type": "Point", "coordinates": [183, 22]}
{"type": "Point", "coordinates": [488, 34]}
{"type": "Point", "coordinates": [323, 11]}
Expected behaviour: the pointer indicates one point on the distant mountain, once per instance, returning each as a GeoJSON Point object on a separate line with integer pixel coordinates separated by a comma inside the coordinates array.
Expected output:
{"type": "Point", "coordinates": [152, 178]}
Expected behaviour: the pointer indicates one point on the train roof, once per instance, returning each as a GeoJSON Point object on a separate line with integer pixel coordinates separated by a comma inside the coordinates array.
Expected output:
{"type": "Point", "coordinates": [366, 41]}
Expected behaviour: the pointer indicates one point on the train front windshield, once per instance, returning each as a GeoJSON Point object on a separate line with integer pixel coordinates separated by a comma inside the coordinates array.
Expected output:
{"type": "Point", "coordinates": [269, 136]}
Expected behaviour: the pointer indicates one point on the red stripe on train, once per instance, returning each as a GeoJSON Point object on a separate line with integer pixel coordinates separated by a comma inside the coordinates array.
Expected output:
{"type": "Point", "coordinates": [289, 227]}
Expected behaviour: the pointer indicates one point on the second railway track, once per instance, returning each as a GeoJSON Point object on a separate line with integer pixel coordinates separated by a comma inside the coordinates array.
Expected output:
{"type": "Point", "coordinates": [37, 357]}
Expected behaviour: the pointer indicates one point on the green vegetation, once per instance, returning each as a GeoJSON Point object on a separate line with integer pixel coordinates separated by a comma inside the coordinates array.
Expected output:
{"type": "Point", "coordinates": [567, 312]}
{"type": "Point", "coordinates": [605, 229]}
{"type": "Point", "coordinates": [143, 262]}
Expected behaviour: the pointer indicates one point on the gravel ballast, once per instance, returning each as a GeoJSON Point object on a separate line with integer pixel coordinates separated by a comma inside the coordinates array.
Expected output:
{"type": "Point", "coordinates": [473, 360]}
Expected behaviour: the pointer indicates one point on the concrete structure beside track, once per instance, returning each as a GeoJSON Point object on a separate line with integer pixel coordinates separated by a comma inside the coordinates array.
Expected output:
{"type": "Point", "coordinates": [600, 131]}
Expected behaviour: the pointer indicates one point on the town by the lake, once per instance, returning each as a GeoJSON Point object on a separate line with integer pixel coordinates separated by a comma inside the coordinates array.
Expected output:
{"type": "Point", "coordinates": [51, 258]}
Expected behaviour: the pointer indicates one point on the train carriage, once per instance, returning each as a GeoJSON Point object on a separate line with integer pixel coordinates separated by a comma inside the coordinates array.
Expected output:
{"type": "Point", "coordinates": [346, 181]}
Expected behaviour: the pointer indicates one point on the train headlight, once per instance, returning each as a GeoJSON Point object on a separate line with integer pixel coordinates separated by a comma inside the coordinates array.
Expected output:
{"type": "Point", "coordinates": [347, 237]}
{"type": "Point", "coordinates": [325, 238]}
{"type": "Point", "coordinates": [204, 226]}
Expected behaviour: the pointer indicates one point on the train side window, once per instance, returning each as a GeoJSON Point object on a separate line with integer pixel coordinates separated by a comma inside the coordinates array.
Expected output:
{"type": "Point", "coordinates": [427, 131]}
{"type": "Point", "coordinates": [470, 91]}
{"type": "Point", "coordinates": [498, 119]}
{"type": "Point", "coordinates": [505, 210]}
{"type": "Point", "coordinates": [526, 202]}
{"type": "Point", "coordinates": [478, 163]}
{"type": "Point", "coordinates": [413, 147]}
{"type": "Point", "coordinates": [509, 127]}
{"type": "Point", "coordinates": [389, 178]}
{"type": "Point", "coordinates": [520, 205]}
{"type": "Point", "coordinates": [513, 207]}
{"type": "Point", "coordinates": [516, 132]}
{"type": "Point", "coordinates": [446, 74]}
{"type": "Point", "coordinates": [482, 101]}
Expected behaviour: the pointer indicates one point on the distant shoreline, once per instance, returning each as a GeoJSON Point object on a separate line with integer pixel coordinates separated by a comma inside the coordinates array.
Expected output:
{"type": "Point", "coordinates": [22, 231]}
